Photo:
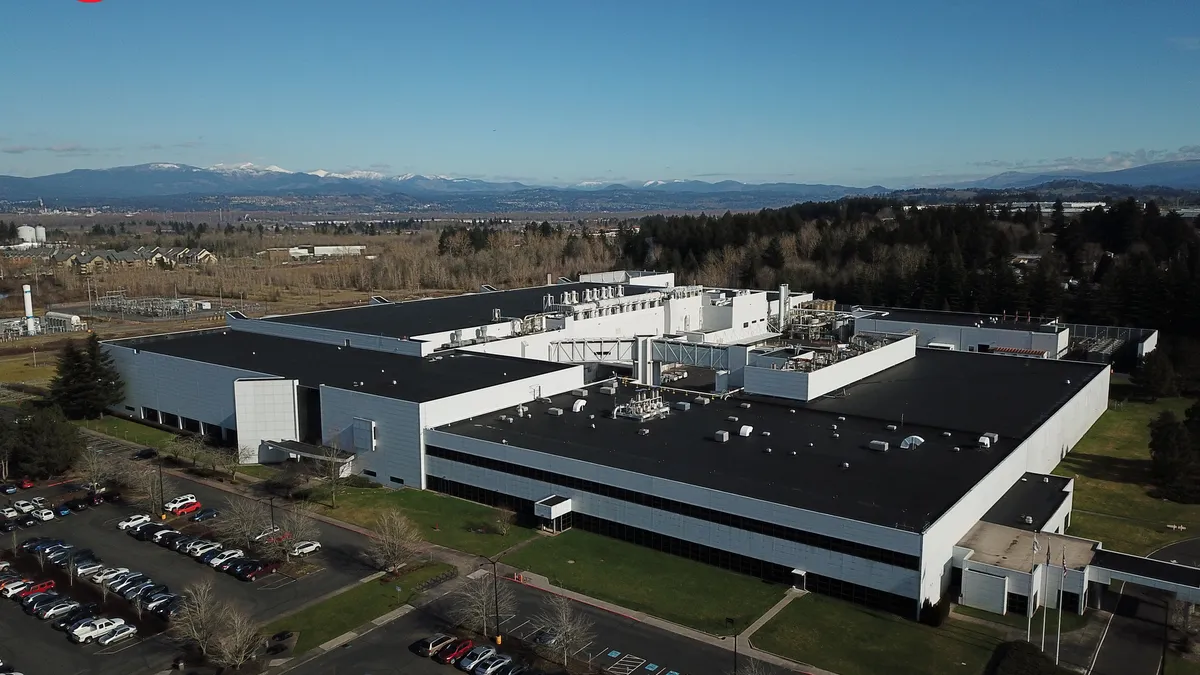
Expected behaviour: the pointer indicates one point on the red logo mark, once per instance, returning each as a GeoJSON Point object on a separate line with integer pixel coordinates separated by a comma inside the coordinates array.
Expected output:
{"type": "Point", "coordinates": [89, 0]}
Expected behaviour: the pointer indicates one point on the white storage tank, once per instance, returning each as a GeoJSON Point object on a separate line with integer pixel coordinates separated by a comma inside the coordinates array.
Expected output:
{"type": "Point", "coordinates": [39, 234]}
{"type": "Point", "coordinates": [62, 320]}
{"type": "Point", "coordinates": [26, 233]}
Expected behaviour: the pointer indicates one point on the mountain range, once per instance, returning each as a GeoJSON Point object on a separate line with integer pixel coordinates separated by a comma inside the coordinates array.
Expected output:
{"type": "Point", "coordinates": [148, 184]}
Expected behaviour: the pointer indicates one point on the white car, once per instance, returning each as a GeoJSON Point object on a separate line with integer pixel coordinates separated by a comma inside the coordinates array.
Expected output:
{"type": "Point", "coordinates": [225, 556]}
{"type": "Point", "coordinates": [120, 579]}
{"type": "Point", "coordinates": [9, 512]}
{"type": "Point", "coordinates": [117, 634]}
{"type": "Point", "coordinates": [181, 500]}
{"type": "Point", "coordinates": [89, 568]}
{"type": "Point", "coordinates": [491, 664]}
{"type": "Point", "coordinates": [58, 609]}
{"type": "Point", "coordinates": [133, 521]}
{"type": "Point", "coordinates": [107, 573]}
{"type": "Point", "coordinates": [4, 564]}
{"type": "Point", "coordinates": [306, 547]}
{"type": "Point", "coordinates": [274, 529]}
{"type": "Point", "coordinates": [24, 506]}
{"type": "Point", "coordinates": [475, 657]}
{"type": "Point", "coordinates": [204, 548]}
{"type": "Point", "coordinates": [43, 514]}
{"type": "Point", "coordinates": [194, 545]}
{"type": "Point", "coordinates": [16, 587]}
{"type": "Point", "coordinates": [94, 629]}
{"type": "Point", "coordinates": [39, 501]}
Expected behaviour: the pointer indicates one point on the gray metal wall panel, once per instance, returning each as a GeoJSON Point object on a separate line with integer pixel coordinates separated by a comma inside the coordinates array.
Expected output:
{"type": "Point", "coordinates": [398, 449]}
{"type": "Point", "coordinates": [984, 591]}
{"type": "Point", "coordinates": [780, 551]}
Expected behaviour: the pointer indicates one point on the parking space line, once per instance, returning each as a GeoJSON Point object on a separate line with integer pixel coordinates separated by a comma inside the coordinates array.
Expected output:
{"type": "Point", "coordinates": [120, 648]}
{"type": "Point", "coordinates": [626, 665]}
{"type": "Point", "coordinates": [581, 649]}
{"type": "Point", "coordinates": [514, 630]}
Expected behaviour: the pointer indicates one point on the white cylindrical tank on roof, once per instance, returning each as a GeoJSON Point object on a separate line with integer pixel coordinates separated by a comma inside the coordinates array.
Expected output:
{"type": "Point", "coordinates": [71, 320]}
{"type": "Point", "coordinates": [26, 233]}
{"type": "Point", "coordinates": [39, 234]}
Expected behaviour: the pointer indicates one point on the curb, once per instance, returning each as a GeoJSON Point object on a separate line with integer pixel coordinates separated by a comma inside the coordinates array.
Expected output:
{"type": "Point", "coordinates": [582, 602]}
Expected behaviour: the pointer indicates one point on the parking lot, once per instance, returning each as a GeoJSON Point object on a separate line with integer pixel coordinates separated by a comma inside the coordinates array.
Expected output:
{"type": "Point", "coordinates": [621, 646]}
{"type": "Point", "coordinates": [34, 647]}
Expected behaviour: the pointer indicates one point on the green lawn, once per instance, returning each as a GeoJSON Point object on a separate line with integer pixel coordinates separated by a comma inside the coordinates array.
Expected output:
{"type": "Point", "coordinates": [1111, 466]}
{"type": "Point", "coordinates": [676, 589]}
{"type": "Point", "coordinates": [349, 610]}
{"type": "Point", "coordinates": [1177, 665]}
{"type": "Point", "coordinates": [447, 521]}
{"type": "Point", "coordinates": [119, 427]}
{"type": "Point", "coordinates": [263, 471]}
{"type": "Point", "coordinates": [852, 640]}
{"type": "Point", "coordinates": [21, 369]}
{"type": "Point", "coordinates": [1070, 620]}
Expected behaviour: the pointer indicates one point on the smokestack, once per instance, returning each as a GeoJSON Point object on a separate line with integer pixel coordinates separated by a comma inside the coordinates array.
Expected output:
{"type": "Point", "coordinates": [549, 279]}
{"type": "Point", "coordinates": [783, 303]}
{"type": "Point", "coordinates": [30, 328]}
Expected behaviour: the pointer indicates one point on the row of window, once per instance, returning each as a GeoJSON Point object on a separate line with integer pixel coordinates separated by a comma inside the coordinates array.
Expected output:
{"type": "Point", "coordinates": [688, 549]}
{"type": "Point", "coordinates": [822, 541]}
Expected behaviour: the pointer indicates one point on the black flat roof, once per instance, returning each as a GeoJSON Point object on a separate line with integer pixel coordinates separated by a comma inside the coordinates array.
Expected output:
{"type": "Point", "coordinates": [937, 391]}
{"type": "Point", "coordinates": [437, 315]}
{"type": "Point", "coordinates": [415, 378]}
{"type": "Point", "coordinates": [1002, 322]}
{"type": "Point", "coordinates": [1034, 495]}
{"type": "Point", "coordinates": [1147, 567]}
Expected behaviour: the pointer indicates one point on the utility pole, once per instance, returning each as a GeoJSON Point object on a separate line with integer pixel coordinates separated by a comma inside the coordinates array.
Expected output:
{"type": "Point", "coordinates": [161, 496]}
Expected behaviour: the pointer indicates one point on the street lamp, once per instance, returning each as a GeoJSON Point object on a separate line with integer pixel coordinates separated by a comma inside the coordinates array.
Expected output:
{"type": "Point", "coordinates": [496, 598]}
{"type": "Point", "coordinates": [272, 500]}
{"type": "Point", "coordinates": [162, 496]}
{"type": "Point", "coordinates": [730, 623]}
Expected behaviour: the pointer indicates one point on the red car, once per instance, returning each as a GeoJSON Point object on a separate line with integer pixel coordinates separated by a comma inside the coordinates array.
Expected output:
{"type": "Point", "coordinates": [190, 507]}
{"type": "Point", "coordinates": [25, 483]}
{"type": "Point", "coordinates": [261, 570]}
{"type": "Point", "coordinates": [454, 651]}
{"type": "Point", "coordinates": [40, 587]}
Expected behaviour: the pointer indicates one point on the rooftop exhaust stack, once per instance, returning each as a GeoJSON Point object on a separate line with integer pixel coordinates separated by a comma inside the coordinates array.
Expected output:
{"type": "Point", "coordinates": [30, 323]}
{"type": "Point", "coordinates": [783, 301]}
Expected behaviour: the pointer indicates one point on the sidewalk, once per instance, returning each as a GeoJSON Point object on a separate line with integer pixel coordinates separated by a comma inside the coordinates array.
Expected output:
{"type": "Point", "coordinates": [468, 563]}
{"type": "Point", "coordinates": [540, 582]}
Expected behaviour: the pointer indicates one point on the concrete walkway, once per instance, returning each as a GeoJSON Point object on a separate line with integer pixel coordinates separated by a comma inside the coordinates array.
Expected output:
{"type": "Point", "coordinates": [744, 648]}
{"type": "Point", "coordinates": [790, 595]}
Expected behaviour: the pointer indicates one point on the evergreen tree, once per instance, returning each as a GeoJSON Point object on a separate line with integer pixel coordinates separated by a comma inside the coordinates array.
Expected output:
{"type": "Point", "coordinates": [107, 389]}
{"type": "Point", "coordinates": [86, 382]}
{"type": "Point", "coordinates": [1155, 375]}
{"type": "Point", "coordinates": [67, 389]}
{"type": "Point", "coordinates": [1173, 458]}
{"type": "Point", "coordinates": [44, 443]}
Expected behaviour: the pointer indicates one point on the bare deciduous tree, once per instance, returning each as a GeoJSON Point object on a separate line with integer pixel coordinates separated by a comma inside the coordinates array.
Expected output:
{"type": "Point", "coordinates": [298, 522]}
{"type": "Point", "coordinates": [239, 639]}
{"type": "Point", "coordinates": [242, 520]}
{"type": "Point", "coordinates": [751, 666]}
{"type": "Point", "coordinates": [229, 460]}
{"type": "Point", "coordinates": [478, 602]}
{"type": "Point", "coordinates": [148, 486]}
{"type": "Point", "coordinates": [201, 618]}
{"type": "Point", "coordinates": [505, 520]}
{"type": "Point", "coordinates": [397, 540]}
{"type": "Point", "coordinates": [569, 628]}
{"type": "Point", "coordinates": [334, 480]}
{"type": "Point", "coordinates": [188, 448]}
{"type": "Point", "coordinates": [95, 467]}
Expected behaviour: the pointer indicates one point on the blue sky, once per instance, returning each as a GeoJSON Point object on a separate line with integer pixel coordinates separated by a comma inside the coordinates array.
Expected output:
{"type": "Point", "coordinates": [559, 91]}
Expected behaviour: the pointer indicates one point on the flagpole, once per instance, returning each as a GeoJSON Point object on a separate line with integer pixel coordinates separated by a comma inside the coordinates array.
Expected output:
{"type": "Point", "coordinates": [1062, 582]}
{"type": "Point", "coordinates": [1043, 597]}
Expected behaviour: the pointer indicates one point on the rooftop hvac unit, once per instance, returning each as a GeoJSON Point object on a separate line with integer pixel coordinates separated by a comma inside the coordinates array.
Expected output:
{"type": "Point", "coordinates": [946, 434]}
{"type": "Point", "coordinates": [993, 437]}
{"type": "Point", "coordinates": [841, 419]}
{"type": "Point", "coordinates": [581, 393]}
{"type": "Point", "coordinates": [765, 433]}
{"type": "Point", "coordinates": [1028, 520]}
{"type": "Point", "coordinates": [700, 400]}
{"type": "Point", "coordinates": [911, 442]}
{"type": "Point", "coordinates": [608, 391]}
{"type": "Point", "coordinates": [577, 406]}
{"type": "Point", "coordinates": [891, 427]}
{"type": "Point", "coordinates": [845, 465]}
{"type": "Point", "coordinates": [555, 411]}
{"type": "Point", "coordinates": [1045, 479]}
{"type": "Point", "coordinates": [744, 406]}
{"type": "Point", "coordinates": [833, 426]}
{"type": "Point", "coordinates": [957, 449]}
{"type": "Point", "coordinates": [732, 418]}
{"type": "Point", "coordinates": [683, 405]}
{"type": "Point", "coordinates": [837, 435]}
{"type": "Point", "coordinates": [643, 432]}
{"type": "Point", "coordinates": [745, 431]}
{"type": "Point", "coordinates": [721, 436]}
{"type": "Point", "coordinates": [985, 442]}
{"type": "Point", "coordinates": [881, 446]}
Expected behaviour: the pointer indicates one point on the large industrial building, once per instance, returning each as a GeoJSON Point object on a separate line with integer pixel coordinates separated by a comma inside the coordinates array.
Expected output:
{"type": "Point", "coordinates": [866, 453]}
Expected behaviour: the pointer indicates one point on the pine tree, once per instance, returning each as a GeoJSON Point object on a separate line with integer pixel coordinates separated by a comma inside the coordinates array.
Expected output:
{"type": "Point", "coordinates": [1173, 457]}
{"type": "Point", "coordinates": [1155, 375]}
{"type": "Point", "coordinates": [106, 387]}
{"type": "Point", "coordinates": [67, 389]}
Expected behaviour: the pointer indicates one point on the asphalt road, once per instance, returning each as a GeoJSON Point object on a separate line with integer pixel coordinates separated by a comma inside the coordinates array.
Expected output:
{"type": "Point", "coordinates": [622, 646]}
{"type": "Point", "coordinates": [1133, 643]}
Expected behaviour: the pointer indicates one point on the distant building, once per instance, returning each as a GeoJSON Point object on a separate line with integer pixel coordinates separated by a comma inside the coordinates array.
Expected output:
{"type": "Point", "coordinates": [285, 253]}
{"type": "Point", "coordinates": [89, 262]}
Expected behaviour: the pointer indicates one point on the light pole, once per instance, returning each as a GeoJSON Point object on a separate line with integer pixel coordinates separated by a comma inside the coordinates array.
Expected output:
{"type": "Point", "coordinates": [730, 622]}
{"type": "Point", "coordinates": [162, 497]}
{"type": "Point", "coordinates": [496, 598]}
{"type": "Point", "coordinates": [272, 500]}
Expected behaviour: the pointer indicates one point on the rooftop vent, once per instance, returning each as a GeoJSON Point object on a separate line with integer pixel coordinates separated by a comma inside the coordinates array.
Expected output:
{"type": "Point", "coordinates": [911, 442]}
{"type": "Point", "coordinates": [880, 446]}
{"type": "Point", "coordinates": [993, 437]}
{"type": "Point", "coordinates": [504, 441]}
{"type": "Point", "coordinates": [609, 391]}
{"type": "Point", "coordinates": [683, 405]}
{"type": "Point", "coordinates": [745, 431]}
{"type": "Point", "coordinates": [985, 442]}
{"type": "Point", "coordinates": [768, 451]}
{"type": "Point", "coordinates": [701, 400]}
{"type": "Point", "coordinates": [1045, 479]}
{"type": "Point", "coordinates": [946, 434]}
{"type": "Point", "coordinates": [721, 436]}
{"type": "Point", "coordinates": [732, 418]}
{"type": "Point", "coordinates": [957, 449]}
{"type": "Point", "coordinates": [745, 406]}
{"type": "Point", "coordinates": [643, 431]}
{"type": "Point", "coordinates": [765, 433]}
{"type": "Point", "coordinates": [1028, 520]}
{"type": "Point", "coordinates": [891, 427]}
{"type": "Point", "coordinates": [837, 435]}
{"type": "Point", "coordinates": [577, 406]}
{"type": "Point", "coordinates": [793, 411]}
{"type": "Point", "coordinates": [555, 411]}
{"type": "Point", "coordinates": [841, 418]}
{"type": "Point", "coordinates": [1068, 382]}
{"type": "Point", "coordinates": [581, 393]}
{"type": "Point", "coordinates": [833, 426]}
{"type": "Point", "coordinates": [845, 465]}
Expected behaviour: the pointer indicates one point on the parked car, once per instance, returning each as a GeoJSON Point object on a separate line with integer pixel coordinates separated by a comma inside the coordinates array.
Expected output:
{"type": "Point", "coordinates": [191, 547]}
{"type": "Point", "coordinates": [190, 507]}
{"type": "Point", "coordinates": [133, 521]}
{"type": "Point", "coordinates": [8, 488]}
{"type": "Point", "coordinates": [260, 570]}
{"type": "Point", "coordinates": [107, 573]}
{"type": "Point", "coordinates": [222, 557]}
{"type": "Point", "coordinates": [94, 629]}
{"type": "Point", "coordinates": [78, 504]}
{"type": "Point", "coordinates": [147, 532]}
{"type": "Point", "coordinates": [182, 543]}
{"type": "Point", "coordinates": [179, 501]}
{"type": "Point", "coordinates": [58, 609]}
{"type": "Point", "coordinates": [25, 483]}
{"type": "Point", "coordinates": [8, 525]}
{"type": "Point", "coordinates": [432, 644]}
{"type": "Point", "coordinates": [135, 589]}
{"type": "Point", "coordinates": [493, 663]}
{"type": "Point", "coordinates": [14, 585]}
{"type": "Point", "coordinates": [159, 600]}
{"type": "Point", "coordinates": [43, 515]}
{"type": "Point", "coordinates": [168, 538]}
{"type": "Point", "coordinates": [237, 565]}
{"type": "Point", "coordinates": [200, 549]}
{"type": "Point", "coordinates": [39, 601]}
{"type": "Point", "coordinates": [88, 568]}
{"type": "Point", "coordinates": [451, 653]}
{"type": "Point", "coordinates": [94, 488]}
{"type": "Point", "coordinates": [23, 506]}
{"type": "Point", "coordinates": [26, 521]}
{"type": "Point", "coordinates": [5, 566]}
{"type": "Point", "coordinates": [117, 634]}
{"type": "Point", "coordinates": [62, 510]}
{"type": "Point", "coordinates": [306, 548]}
{"type": "Point", "coordinates": [79, 614]}
{"type": "Point", "coordinates": [38, 587]}
{"type": "Point", "coordinates": [39, 502]}
{"type": "Point", "coordinates": [204, 514]}
{"type": "Point", "coordinates": [29, 544]}
{"type": "Point", "coordinates": [145, 453]}
{"type": "Point", "coordinates": [475, 657]}
{"type": "Point", "coordinates": [157, 536]}
{"type": "Point", "coordinates": [9, 512]}
{"type": "Point", "coordinates": [127, 581]}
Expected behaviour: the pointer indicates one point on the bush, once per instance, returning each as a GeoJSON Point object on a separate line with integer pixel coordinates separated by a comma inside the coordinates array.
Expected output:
{"type": "Point", "coordinates": [935, 615]}
{"type": "Point", "coordinates": [357, 481]}
{"type": "Point", "coordinates": [1022, 658]}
